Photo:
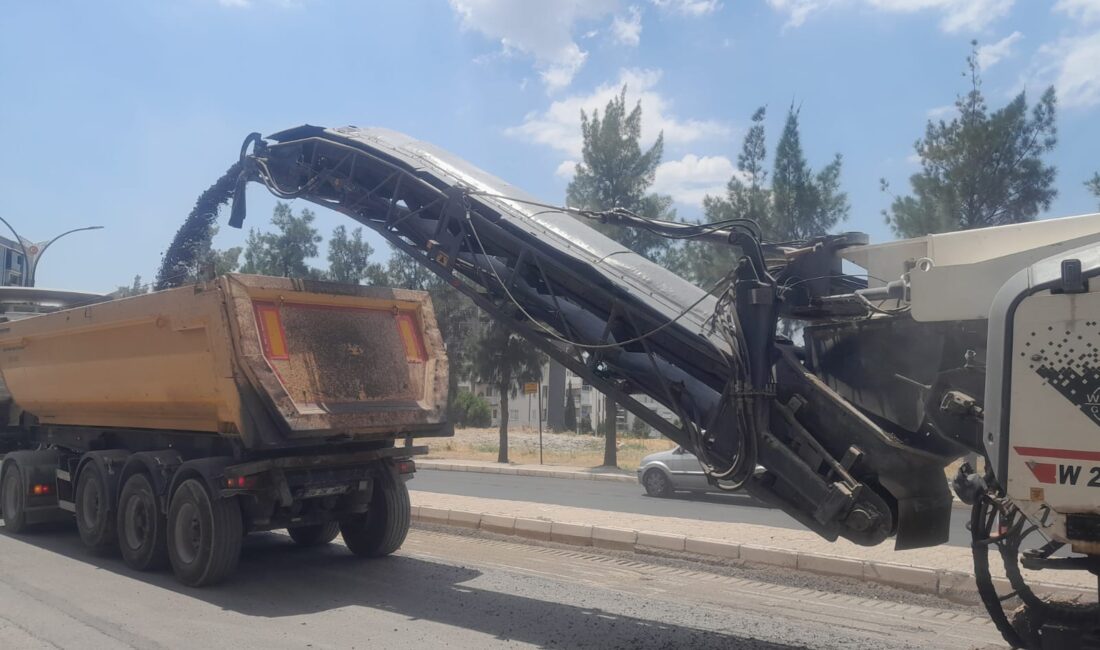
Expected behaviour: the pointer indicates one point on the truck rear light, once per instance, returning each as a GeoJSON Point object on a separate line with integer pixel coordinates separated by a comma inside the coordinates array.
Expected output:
{"type": "Point", "coordinates": [240, 482]}
{"type": "Point", "coordinates": [40, 489]}
{"type": "Point", "coordinates": [406, 466]}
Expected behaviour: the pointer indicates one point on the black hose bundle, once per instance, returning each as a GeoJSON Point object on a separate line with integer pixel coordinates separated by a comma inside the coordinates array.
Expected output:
{"type": "Point", "coordinates": [181, 260]}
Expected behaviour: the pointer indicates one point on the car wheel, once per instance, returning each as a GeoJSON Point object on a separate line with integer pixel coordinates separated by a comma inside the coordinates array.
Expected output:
{"type": "Point", "coordinates": [656, 484]}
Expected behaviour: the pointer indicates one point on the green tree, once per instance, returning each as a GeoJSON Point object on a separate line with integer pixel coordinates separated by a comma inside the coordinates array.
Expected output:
{"type": "Point", "coordinates": [506, 362]}
{"type": "Point", "coordinates": [286, 251]}
{"type": "Point", "coordinates": [638, 428]}
{"type": "Point", "coordinates": [1094, 185]}
{"type": "Point", "coordinates": [804, 204]}
{"type": "Point", "coordinates": [136, 288]}
{"type": "Point", "coordinates": [570, 416]}
{"type": "Point", "coordinates": [797, 204]}
{"type": "Point", "coordinates": [616, 173]}
{"type": "Point", "coordinates": [983, 168]}
{"type": "Point", "coordinates": [469, 410]}
{"type": "Point", "coordinates": [349, 258]}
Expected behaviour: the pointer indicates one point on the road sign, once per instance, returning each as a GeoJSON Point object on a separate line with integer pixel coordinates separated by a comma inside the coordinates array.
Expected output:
{"type": "Point", "coordinates": [530, 388]}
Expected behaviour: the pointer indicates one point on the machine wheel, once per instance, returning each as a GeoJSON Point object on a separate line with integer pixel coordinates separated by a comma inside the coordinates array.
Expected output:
{"type": "Point", "coordinates": [656, 484]}
{"type": "Point", "coordinates": [141, 525]}
{"type": "Point", "coordinates": [315, 535]}
{"type": "Point", "coordinates": [13, 500]}
{"type": "Point", "coordinates": [382, 529]}
{"type": "Point", "coordinates": [94, 515]}
{"type": "Point", "coordinates": [204, 535]}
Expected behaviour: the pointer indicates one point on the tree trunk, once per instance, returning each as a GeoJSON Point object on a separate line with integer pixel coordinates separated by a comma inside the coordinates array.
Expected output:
{"type": "Point", "coordinates": [502, 453]}
{"type": "Point", "coordinates": [610, 452]}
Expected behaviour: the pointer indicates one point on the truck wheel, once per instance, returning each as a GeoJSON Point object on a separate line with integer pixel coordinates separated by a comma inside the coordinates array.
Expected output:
{"type": "Point", "coordinates": [141, 525]}
{"type": "Point", "coordinates": [315, 535]}
{"type": "Point", "coordinates": [382, 529]}
{"type": "Point", "coordinates": [204, 535]}
{"type": "Point", "coordinates": [13, 500]}
{"type": "Point", "coordinates": [94, 515]}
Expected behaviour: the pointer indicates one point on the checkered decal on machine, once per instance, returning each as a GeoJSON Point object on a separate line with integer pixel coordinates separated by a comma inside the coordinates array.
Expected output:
{"type": "Point", "coordinates": [1070, 364]}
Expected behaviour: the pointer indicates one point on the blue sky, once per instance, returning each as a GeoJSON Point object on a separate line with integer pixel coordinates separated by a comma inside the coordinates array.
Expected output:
{"type": "Point", "coordinates": [120, 113]}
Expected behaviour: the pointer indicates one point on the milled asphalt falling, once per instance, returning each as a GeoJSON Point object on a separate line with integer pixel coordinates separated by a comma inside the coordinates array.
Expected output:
{"type": "Point", "coordinates": [456, 590]}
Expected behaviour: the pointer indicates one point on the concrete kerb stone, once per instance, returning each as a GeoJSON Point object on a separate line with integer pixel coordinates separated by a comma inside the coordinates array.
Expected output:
{"type": "Point", "coordinates": [663, 541]}
{"type": "Point", "coordinates": [464, 519]}
{"type": "Point", "coordinates": [713, 547]}
{"type": "Point", "coordinates": [617, 539]}
{"type": "Point", "coordinates": [771, 556]}
{"type": "Point", "coordinates": [533, 529]}
{"type": "Point", "coordinates": [433, 515]}
{"type": "Point", "coordinates": [498, 524]}
{"type": "Point", "coordinates": [830, 565]}
{"type": "Point", "coordinates": [579, 534]}
{"type": "Point", "coordinates": [901, 575]}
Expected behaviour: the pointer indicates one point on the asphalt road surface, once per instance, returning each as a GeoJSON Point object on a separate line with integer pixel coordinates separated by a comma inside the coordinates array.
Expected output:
{"type": "Point", "coordinates": [454, 590]}
{"type": "Point", "coordinates": [625, 497]}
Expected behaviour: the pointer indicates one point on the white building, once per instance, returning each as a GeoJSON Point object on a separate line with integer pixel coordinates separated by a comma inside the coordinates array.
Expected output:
{"type": "Point", "coordinates": [12, 263]}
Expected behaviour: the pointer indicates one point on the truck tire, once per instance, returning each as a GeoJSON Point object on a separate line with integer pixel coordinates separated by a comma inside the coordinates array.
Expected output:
{"type": "Point", "coordinates": [142, 536]}
{"type": "Point", "coordinates": [13, 501]}
{"type": "Point", "coordinates": [204, 535]}
{"type": "Point", "coordinates": [382, 529]}
{"type": "Point", "coordinates": [95, 517]}
{"type": "Point", "coordinates": [315, 535]}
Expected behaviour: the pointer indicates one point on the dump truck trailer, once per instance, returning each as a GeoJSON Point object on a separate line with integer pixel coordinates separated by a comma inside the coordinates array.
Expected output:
{"type": "Point", "coordinates": [170, 424]}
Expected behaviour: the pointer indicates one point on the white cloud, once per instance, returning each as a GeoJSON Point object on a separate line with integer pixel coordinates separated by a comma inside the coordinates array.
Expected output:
{"type": "Point", "coordinates": [1084, 11]}
{"type": "Point", "coordinates": [1071, 65]}
{"type": "Point", "coordinates": [692, 177]}
{"type": "Point", "coordinates": [627, 30]}
{"type": "Point", "coordinates": [958, 15]}
{"type": "Point", "coordinates": [688, 7]}
{"type": "Point", "coordinates": [940, 112]}
{"type": "Point", "coordinates": [989, 55]}
{"type": "Point", "coordinates": [566, 169]}
{"type": "Point", "coordinates": [558, 127]}
{"type": "Point", "coordinates": [542, 30]}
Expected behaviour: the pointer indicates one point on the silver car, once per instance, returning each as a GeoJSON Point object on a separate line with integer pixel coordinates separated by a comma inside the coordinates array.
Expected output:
{"type": "Point", "coordinates": [666, 472]}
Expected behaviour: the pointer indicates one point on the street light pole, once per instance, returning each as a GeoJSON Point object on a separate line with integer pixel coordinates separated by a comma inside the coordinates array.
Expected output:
{"type": "Point", "coordinates": [39, 249]}
{"type": "Point", "coordinates": [19, 240]}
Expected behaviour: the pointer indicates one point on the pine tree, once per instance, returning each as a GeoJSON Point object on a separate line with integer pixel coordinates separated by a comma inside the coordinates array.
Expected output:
{"type": "Point", "coordinates": [570, 411]}
{"type": "Point", "coordinates": [803, 204]}
{"type": "Point", "coordinates": [136, 288]}
{"type": "Point", "coordinates": [982, 168]}
{"type": "Point", "coordinates": [616, 173]}
{"type": "Point", "coordinates": [798, 203]}
{"type": "Point", "coordinates": [1094, 185]}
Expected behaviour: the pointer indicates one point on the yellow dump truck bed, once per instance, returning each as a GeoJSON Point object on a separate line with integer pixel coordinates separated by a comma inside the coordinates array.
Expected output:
{"type": "Point", "coordinates": [269, 360]}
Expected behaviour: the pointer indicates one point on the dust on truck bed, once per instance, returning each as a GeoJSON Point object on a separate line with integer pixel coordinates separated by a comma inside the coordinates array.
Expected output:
{"type": "Point", "coordinates": [268, 361]}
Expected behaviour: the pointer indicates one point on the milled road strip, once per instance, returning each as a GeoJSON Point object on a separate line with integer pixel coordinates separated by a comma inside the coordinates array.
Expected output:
{"type": "Point", "coordinates": [950, 576]}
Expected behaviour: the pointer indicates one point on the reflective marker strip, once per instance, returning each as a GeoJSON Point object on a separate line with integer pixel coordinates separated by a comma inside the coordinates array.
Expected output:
{"type": "Point", "coordinates": [272, 335]}
{"type": "Point", "coordinates": [410, 336]}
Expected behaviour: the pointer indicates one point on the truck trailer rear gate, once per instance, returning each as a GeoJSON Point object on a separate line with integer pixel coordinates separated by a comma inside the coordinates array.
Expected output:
{"type": "Point", "coordinates": [173, 423]}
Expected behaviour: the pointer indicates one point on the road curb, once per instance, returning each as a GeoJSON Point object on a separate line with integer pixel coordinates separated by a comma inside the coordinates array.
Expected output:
{"type": "Point", "coordinates": [914, 578]}
{"type": "Point", "coordinates": [524, 471]}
